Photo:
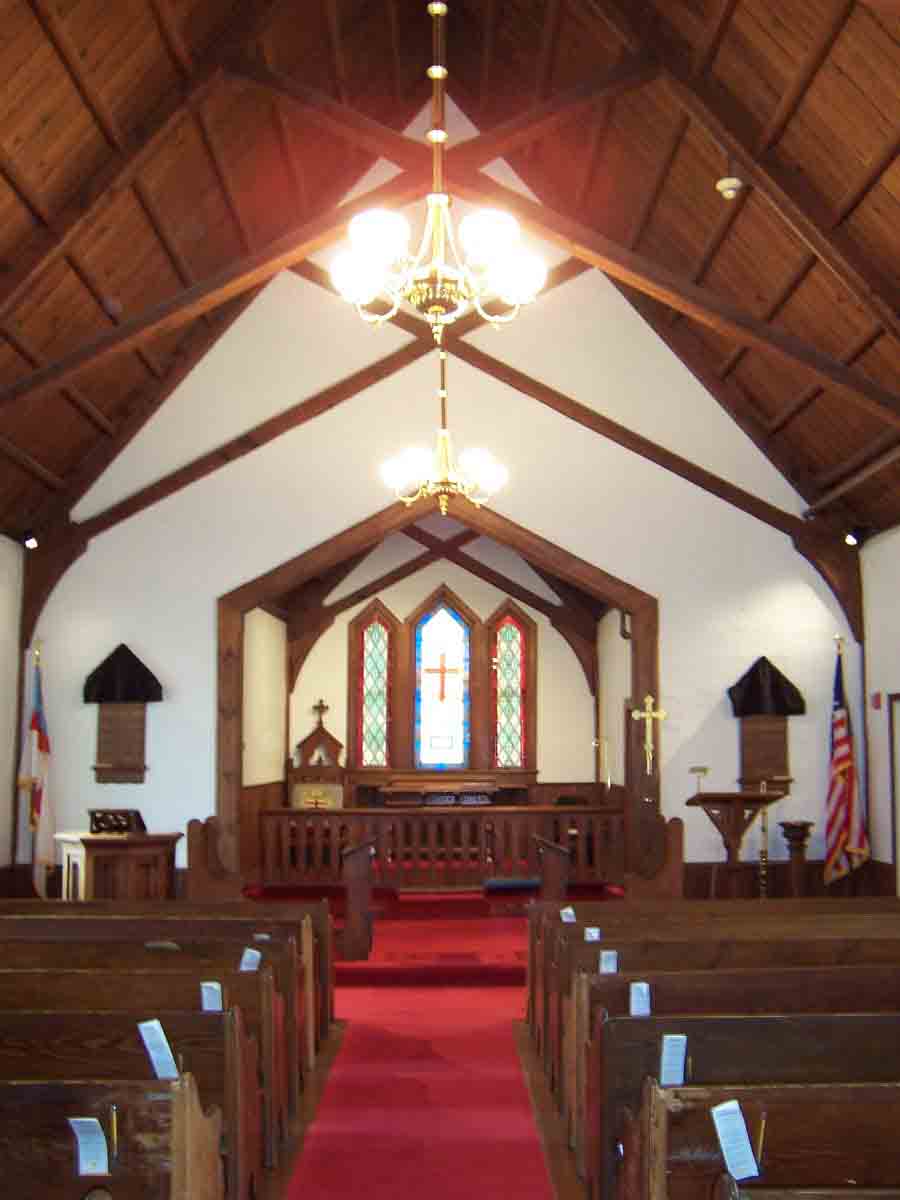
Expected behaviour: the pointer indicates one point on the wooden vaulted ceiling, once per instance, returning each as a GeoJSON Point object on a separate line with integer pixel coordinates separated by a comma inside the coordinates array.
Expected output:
{"type": "Point", "coordinates": [161, 159]}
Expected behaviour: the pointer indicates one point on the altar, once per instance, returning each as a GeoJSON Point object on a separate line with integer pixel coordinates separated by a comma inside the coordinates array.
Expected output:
{"type": "Point", "coordinates": [379, 787]}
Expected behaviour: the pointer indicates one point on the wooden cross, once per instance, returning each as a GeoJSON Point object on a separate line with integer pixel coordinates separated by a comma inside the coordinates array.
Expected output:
{"type": "Point", "coordinates": [321, 708]}
{"type": "Point", "coordinates": [648, 714]}
{"type": "Point", "coordinates": [443, 670]}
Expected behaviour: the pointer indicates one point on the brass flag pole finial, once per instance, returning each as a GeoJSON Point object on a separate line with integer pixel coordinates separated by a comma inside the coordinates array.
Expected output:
{"type": "Point", "coordinates": [648, 714]}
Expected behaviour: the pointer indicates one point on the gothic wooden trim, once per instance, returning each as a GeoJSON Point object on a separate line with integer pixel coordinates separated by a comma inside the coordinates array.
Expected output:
{"type": "Point", "coordinates": [355, 629]}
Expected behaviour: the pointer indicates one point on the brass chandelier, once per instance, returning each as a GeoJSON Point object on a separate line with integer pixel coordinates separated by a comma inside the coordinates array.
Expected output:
{"type": "Point", "coordinates": [416, 473]}
{"type": "Point", "coordinates": [437, 281]}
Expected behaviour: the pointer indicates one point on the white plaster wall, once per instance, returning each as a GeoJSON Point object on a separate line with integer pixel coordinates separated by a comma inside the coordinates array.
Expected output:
{"type": "Point", "coordinates": [265, 695]}
{"type": "Point", "coordinates": [730, 588]}
{"type": "Point", "coordinates": [565, 709]}
{"type": "Point", "coordinates": [881, 587]}
{"type": "Point", "coordinates": [614, 653]}
{"type": "Point", "coordinates": [11, 568]}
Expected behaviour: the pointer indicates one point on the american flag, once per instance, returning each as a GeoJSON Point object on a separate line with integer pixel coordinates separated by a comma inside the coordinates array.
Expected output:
{"type": "Point", "coordinates": [34, 800]}
{"type": "Point", "coordinates": [846, 838]}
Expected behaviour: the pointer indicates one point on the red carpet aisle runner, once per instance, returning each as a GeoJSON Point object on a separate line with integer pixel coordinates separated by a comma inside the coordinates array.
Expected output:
{"type": "Point", "coordinates": [426, 1097]}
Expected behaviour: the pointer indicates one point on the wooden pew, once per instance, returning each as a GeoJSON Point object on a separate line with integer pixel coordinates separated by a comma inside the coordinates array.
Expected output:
{"type": "Point", "coordinates": [84, 922]}
{"type": "Point", "coordinates": [214, 957]}
{"type": "Point", "coordinates": [243, 916]}
{"type": "Point", "coordinates": [743, 941]}
{"type": "Point", "coordinates": [208, 879]}
{"type": "Point", "coordinates": [213, 1047]}
{"type": "Point", "coordinates": [167, 1146]}
{"type": "Point", "coordinates": [802, 1135]}
{"type": "Point", "coordinates": [807, 1048]}
{"type": "Point", "coordinates": [857, 989]}
{"type": "Point", "coordinates": [545, 923]}
{"type": "Point", "coordinates": [144, 994]}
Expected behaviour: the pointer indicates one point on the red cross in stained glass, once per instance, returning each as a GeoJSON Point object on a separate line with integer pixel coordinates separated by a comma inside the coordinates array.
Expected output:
{"type": "Point", "coordinates": [443, 670]}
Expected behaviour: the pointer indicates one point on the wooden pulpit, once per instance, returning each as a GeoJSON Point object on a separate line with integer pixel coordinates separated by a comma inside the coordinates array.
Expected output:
{"type": "Point", "coordinates": [733, 813]}
{"type": "Point", "coordinates": [118, 866]}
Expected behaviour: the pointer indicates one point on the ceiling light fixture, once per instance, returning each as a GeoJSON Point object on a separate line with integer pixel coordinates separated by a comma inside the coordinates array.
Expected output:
{"type": "Point", "coordinates": [856, 536]}
{"type": "Point", "coordinates": [416, 473]}
{"type": "Point", "coordinates": [29, 541]}
{"type": "Point", "coordinates": [436, 280]}
{"type": "Point", "coordinates": [729, 186]}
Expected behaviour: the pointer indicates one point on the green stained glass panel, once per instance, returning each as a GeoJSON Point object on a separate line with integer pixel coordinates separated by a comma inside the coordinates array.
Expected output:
{"type": "Point", "coordinates": [510, 701]}
{"type": "Point", "coordinates": [374, 728]}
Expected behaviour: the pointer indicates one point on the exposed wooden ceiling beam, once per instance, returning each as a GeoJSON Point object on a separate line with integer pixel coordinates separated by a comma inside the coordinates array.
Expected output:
{"type": "Point", "coordinates": [887, 459]}
{"type": "Point", "coordinates": [652, 193]}
{"type": "Point", "coordinates": [488, 35]}
{"type": "Point", "coordinates": [794, 93]}
{"type": "Point", "coordinates": [886, 440]}
{"type": "Point", "coordinates": [399, 573]}
{"type": "Point", "coordinates": [223, 177]}
{"type": "Point", "coordinates": [799, 404]}
{"type": "Point", "coordinates": [725, 121]}
{"type": "Point", "coordinates": [713, 36]}
{"type": "Point", "coordinates": [556, 613]}
{"type": "Point", "coordinates": [335, 41]}
{"type": "Point", "coordinates": [396, 56]}
{"type": "Point", "coordinates": [553, 18]}
{"type": "Point", "coordinates": [776, 303]}
{"type": "Point", "coordinates": [102, 190]}
{"type": "Point", "coordinates": [860, 187]}
{"type": "Point", "coordinates": [697, 302]}
{"type": "Point", "coordinates": [157, 223]}
{"type": "Point", "coordinates": [588, 418]}
{"type": "Point", "coordinates": [344, 122]}
{"type": "Point", "coordinates": [298, 414]}
{"type": "Point", "coordinates": [141, 406]}
{"type": "Point", "coordinates": [170, 32]}
{"type": "Point", "coordinates": [237, 277]}
{"type": "Point", "coordinates": [109, 310]}
{"type": "Point", "coordinates": [75, 396]}
{"type": "Point", "coordinates": [30, 464]}
{"type": "Point", "coordinates": [93, 99]}
{"type": "Point", "coordinates": [542, 119]}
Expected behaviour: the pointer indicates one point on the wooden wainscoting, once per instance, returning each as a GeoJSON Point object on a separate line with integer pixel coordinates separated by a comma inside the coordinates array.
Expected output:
{"type": "Point", "coordinates": [874, 879]}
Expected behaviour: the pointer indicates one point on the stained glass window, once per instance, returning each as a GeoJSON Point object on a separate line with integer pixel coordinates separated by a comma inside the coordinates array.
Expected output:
{"type": "Point", "coordinates": [442, 690]}
{"type": "Point", "coordinates": [373, 731]}
{"type": "Point", "coordinates": [509, 690]}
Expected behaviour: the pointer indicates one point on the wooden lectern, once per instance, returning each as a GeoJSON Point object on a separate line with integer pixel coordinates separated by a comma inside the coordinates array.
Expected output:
{"type": "Point", "coordinates": [733, 813]}
{"type": "Point", "coordinates": [118, 866]}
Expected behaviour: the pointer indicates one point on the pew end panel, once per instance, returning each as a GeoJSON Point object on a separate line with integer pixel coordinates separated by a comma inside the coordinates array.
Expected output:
{"type": "Point", "coordinates": [208, 879]}
{"type": "Point", "coordinates": [165, 1146]}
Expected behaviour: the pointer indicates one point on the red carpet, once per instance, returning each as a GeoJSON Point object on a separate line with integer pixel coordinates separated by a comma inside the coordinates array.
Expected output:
{"type": "Point", "coordinates": [486, 951]}
{"type": "Point", "coordinates": [425, 1099]}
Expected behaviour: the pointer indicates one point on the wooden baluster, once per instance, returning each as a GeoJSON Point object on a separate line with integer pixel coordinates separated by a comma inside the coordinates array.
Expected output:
{"type": "Point", "coordinates": [285, 850]}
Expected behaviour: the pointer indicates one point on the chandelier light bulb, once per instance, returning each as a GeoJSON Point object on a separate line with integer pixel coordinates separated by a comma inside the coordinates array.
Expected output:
{"type": "Point", "coordinates": [482, 471]}
{"type": "Point", "coordinates": [519, 278]}
{"type": "Point", "coordinates": [487, 235]}
{"type": "Point", "coordinates": [380, 235]}
{"type": "Point", "coordinates": [358, 279]}
{"type": "Point", "coordinates": [405, 471]}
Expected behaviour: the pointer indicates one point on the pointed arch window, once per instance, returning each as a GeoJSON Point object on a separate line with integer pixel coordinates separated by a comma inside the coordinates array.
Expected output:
{"type": "Point", "coordinates": [509, 693]}
{"type": "Point", "coordinates": [442, 702]}
{"type": "Point", "coordinates": [372, 655]}
{"type": "Point", "coordinates": [512, 641]}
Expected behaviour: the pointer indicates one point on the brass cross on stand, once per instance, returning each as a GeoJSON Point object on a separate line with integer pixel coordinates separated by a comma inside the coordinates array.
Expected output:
{"type": "Point", "coordinates": [648, 714]}
{"type": "Point", "coordinates": [443, 670]}
{"type": "Point", "coordinates": [321, 708]}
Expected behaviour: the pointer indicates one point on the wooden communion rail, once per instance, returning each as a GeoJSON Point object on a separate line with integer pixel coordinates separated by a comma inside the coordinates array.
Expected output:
{"type": "Point", "coordinates": [441, 847]}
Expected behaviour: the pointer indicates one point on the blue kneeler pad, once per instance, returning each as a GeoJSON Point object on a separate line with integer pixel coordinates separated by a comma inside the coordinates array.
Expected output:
{"type": "Point", "coordinates": [512, 885]}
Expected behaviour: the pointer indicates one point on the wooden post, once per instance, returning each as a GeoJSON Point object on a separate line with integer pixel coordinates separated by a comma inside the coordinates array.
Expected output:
{"type": "Point", "coordinates": [357, 876]}
{"type": "Point", "coordinates": [796, 834]}
{"type": "Point", "coordinates": [554, 869]}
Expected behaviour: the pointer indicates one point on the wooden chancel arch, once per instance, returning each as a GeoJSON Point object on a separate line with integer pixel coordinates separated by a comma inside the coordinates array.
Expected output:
{"type": "Point", "coordinates": [644, 827]}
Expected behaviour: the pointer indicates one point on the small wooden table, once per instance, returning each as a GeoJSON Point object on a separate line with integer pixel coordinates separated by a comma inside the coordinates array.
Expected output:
{"type": "Point", "coordinates": [733, 813]}
{"type": "Point", "coordinates": [118, 866]}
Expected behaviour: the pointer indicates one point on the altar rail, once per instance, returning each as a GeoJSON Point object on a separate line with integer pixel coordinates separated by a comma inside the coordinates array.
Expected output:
{"type": "Point", "coordinates": [440, 847]}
